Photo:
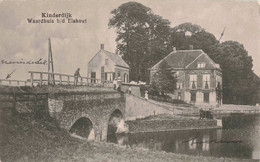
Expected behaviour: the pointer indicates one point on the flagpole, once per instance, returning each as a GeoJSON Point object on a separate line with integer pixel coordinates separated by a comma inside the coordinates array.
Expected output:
{"type": "Point", "coordinates": [221, 35]}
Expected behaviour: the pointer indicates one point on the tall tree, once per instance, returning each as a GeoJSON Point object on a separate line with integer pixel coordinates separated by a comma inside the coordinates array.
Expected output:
{"type": "Point", "coordinates": [238, 78]}
{"type": "Point", "coordinates": [187, 34]}
{"type": "Point", "coordinates": [140, 36]}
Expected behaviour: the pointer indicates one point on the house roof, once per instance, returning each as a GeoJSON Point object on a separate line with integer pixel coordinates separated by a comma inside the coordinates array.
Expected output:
{"type": "Point", "coordinates": [116, 59]}
{"type": "Point", "coordinates": [181, 59]}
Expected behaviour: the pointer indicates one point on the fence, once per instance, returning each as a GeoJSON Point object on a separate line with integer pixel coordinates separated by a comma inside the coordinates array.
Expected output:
{"type": "Point", "coordinates": [169, 100]}
{"type": "Point", "coordinates": [41, 78]}
{"type": "Point", "coordinates": [13, 82]}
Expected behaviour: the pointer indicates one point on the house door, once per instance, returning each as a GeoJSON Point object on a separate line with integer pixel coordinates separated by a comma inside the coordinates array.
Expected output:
{"type": "Point", "coordinates": [103, 74]}
{"type": "Point", "coordinates": [179, 96]}
{"type": "Point", "coordinates": [193, 96]}
{"type": "Point", "coordinates": [206, 97]}
{"type": "Point", "coordinates": [125, 78]}
{"type": "Point", "coordinates": [93, 77]}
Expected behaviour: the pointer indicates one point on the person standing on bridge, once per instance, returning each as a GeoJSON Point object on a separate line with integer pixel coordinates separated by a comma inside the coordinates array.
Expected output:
{"type": "Point", "coordinates": [76, 76]}
{"type": "Point", "coordinates": [119, 82]}
{"type": "Point", "coordinates": [115, 83]}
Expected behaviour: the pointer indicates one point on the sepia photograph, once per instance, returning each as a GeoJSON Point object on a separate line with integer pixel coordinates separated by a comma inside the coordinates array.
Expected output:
{"type": "Point", "coordinates": [129, 80]}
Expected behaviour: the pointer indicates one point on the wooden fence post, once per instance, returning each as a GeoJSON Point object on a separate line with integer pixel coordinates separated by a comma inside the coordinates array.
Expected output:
{"type": "Point", "coordinates": [32, 79]}
{"type": "Point", "coordinates": [40, 79]}
{"type": "Point", "coordinates": [68, 80]}
{"type": "Point", "coordinates": [60, 79]}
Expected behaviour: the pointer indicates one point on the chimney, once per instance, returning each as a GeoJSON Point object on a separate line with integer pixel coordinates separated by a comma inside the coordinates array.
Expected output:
{"type": "Point", "coordinates": [190, 47]}
{"type": "Point", "coordinates": [102, 46]}
{"type": "Point", "coordinates": [174, 49]}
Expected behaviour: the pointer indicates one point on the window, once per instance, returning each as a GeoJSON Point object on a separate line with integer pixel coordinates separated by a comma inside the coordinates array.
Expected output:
{"type": "Point", "coordinates": [106, 61]}
{"type": "Point", "coordinates": [193, 81]}
{"type": "Point", "coordinates": [109, 76]}
{"type": "Point", "coordinates": [201, 65]}
{"type": "Point", "coordinates": [118, 74]}
{"type": "Point", "coordinates": [206, 97]}
{"type": "Point", "coordinates": [125, 78]}
{"type": "Point", "coordinates": [93, 77]}
{"type": "Point", "coordinates": [179, 85]}
{"type": "Point", "coordinates": [218, 80]}
{"type": "Point", "coordinates": [206, 81]}
{"type": "Point", "coordinates": [193, 96]}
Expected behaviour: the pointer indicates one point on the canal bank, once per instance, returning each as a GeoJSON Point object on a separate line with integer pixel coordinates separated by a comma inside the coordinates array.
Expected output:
{"type": "Point", "coordinates": [26, 139]}
{"type": "Point", "coordinates": [239, 138]}
{"type": "Point", "coordinates": [232, 109]}
{"type": "Point", "coordinates": [166, 122]}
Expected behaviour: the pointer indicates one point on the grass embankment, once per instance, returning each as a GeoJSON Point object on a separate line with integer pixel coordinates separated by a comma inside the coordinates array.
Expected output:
{"type": "Point", "coordinates": [169, 117]}
{"type": "Point", "coordinates": [26, 139]}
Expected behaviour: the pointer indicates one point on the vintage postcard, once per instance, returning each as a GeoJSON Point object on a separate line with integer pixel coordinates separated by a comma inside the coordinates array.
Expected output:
{"type": "Point", "coordinates": [121, 80]}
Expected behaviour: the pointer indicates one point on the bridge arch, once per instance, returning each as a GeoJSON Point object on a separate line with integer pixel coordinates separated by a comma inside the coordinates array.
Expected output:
{"type": "Point", "coordinates": [114, 119]}
{"type": "Point", "coordinates": [83, 127]}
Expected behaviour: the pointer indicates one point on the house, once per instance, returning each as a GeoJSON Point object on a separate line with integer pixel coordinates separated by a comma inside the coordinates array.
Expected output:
{"type": "Point", "coordinates": [198, 77]}
{"type": "Point", "coordinates": [107, 66]}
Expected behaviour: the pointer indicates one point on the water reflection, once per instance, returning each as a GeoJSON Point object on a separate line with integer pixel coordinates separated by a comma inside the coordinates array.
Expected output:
{"type": "Point", "coordinates": [235, 128]}
{"type": "Point", "coordinates": [205, 144]}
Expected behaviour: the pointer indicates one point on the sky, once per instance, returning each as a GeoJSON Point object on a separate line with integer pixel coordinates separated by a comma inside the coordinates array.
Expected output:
{"type": "Point", "coordinates": [73, 45]}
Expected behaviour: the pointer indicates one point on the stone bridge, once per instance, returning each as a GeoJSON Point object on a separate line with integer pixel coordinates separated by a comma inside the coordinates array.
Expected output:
{"type": "Point", "coordinates": [84, 114]}
{"type": "Point", "coordinates": [87, 113]}
{"type": "Point", "coordinates": [92, 114]}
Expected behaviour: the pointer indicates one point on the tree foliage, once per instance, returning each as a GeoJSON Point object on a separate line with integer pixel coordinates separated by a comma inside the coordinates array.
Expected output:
{"type": "Point", "coordinates": [164, 79]}
{"type": "Point", "coordinates": [142, 37]}
{"type": "Point", "coordinates": [187, 34]}
{"type": "Point", "coordinates": [239, 83]}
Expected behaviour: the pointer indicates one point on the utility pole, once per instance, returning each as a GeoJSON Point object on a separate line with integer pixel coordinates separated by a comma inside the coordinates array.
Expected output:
{"type": "Point", "coordinates": [51, 79]}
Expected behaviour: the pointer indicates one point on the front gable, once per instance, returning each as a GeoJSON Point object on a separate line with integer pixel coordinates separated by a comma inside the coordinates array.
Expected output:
{"type": "Point", "coordinates": [99, 60]}
{"type": "Point", "coordinates": [202, 62]}
{"type": "Point", "coordinates": [94, 62]}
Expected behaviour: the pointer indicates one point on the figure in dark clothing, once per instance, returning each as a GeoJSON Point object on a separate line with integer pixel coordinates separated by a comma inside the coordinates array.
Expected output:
{"type": "Point", "coordinates": [205, 114]}
{"type": "Point", "coordinates": [219, 93]}
{"type": "Point", "coordinates": [76, 76]}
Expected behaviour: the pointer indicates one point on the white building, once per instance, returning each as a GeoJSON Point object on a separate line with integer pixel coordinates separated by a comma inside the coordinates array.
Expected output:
{"type": "Point", "coordinates": [106, 66]}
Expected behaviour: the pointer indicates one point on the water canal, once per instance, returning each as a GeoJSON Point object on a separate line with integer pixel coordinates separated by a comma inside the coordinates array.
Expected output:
{"type": "Point", "coordinates": [239, 138]}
